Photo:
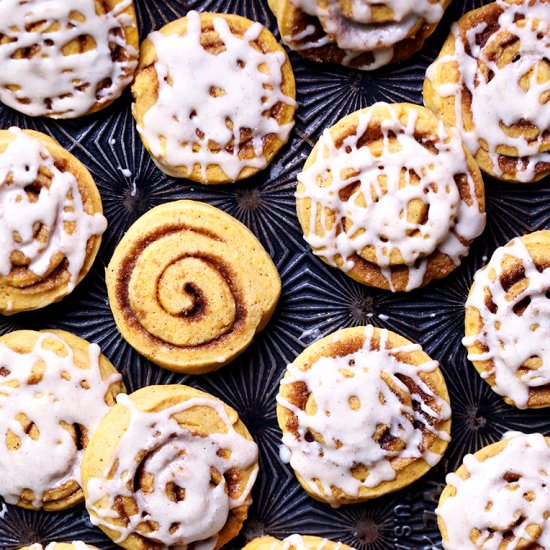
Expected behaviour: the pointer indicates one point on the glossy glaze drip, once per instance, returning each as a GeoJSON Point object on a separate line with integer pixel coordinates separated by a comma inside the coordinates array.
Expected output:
{"type": "Point", "coordinates": [374, 217]}
{"type": "Point", "coordinates": [50, 82]}
{"type": "Point", "coordinates": [511, 333]}
{"type": "Point", "coordinates": [355, 394]}
{"type": "Point", "coordinates": [174, 455]}
{"type": "Point", "coordinates": [523, 97]}
{"type": "Point", "coordinates": [187, 117]}
{"type": "Point", "coordinates": [505, 494]}
{"type": "Point", "coordinates": [66, 395]}
{"type": "Point", "coordinates": [57, 207]}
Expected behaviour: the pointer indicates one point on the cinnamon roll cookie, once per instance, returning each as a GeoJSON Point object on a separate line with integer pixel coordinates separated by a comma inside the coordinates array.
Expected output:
{"type": "Point", "coordinates": [295, 542]}
{"type": "Point", "coordinates": [499, 497]}
{"type": "Point", "coordinates": [76, 545]}
{"type": "Point", "coordinates": [364, 412]}
{"type": "Point", "coordinates": [492, 81]}
{"type": "Point", "coordinates": [170, 467]}
{"type": "Point", "coordinates": [51, 221]}
{"type": "Point", "coordinates": [190, 286]}
{"type": "Point", "coordinates": [363, 34]}
{"type": "Point", "coordinates": [54, 389]}
{"type": "Point", "coordinates": [391, 196]}
{"type": "Point", "coordinates": [508, 321]}
{"type": "Point", "coordinates": [66, 59]}
{"type": "Point", "coordinates": [214, 97]}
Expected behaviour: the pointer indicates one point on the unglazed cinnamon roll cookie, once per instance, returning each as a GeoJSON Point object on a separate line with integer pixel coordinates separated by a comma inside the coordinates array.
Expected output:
{"type": "Point", "coordinates": [502, 51]}
{"type": "Point", "coordinates": [66, 59]}
{"type": "Point", "coordinates": [508, 321]}
{"type": "Point", "coordinates": [357, 33]}
{"type": "Point", "coordinates": [76, 545]}
{"type": "Point", "coordinates": [295, 542]}
{"type": "Point", "coordinates": [364, 412]}
{"type": "Point", "coordinates": [391, 196]}
{"type": "Point", "coordinates": [54, 389]}
{"type": "Point", "coordinates": [499, 497]}
{"type": "Point", "coordinates": [190, 286]}
{"type": "Point", "coordinates": [214, 97]}
{"type": "Point", "coordinates": [51, 221]}
{"type": "Point", "coordinates": [170, 467]}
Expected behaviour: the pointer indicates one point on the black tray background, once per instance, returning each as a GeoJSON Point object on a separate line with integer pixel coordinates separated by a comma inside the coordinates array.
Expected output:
{"type": "Point", "coordinates": [316, 299]}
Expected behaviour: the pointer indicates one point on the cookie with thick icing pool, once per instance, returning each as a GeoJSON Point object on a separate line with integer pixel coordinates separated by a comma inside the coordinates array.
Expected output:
{"type": "Point", "coordinates": [508, 321]}
{"type": "Point", "coordinates": [214, 97]}
{"type": "Point", "coordinates": [54, 389]}
{"type": "Point", "coordinates": [391, 196]}
{"type": "Point", "coordinates": [295, 542]}
{"type": "Point", "coordinates": [500, 50]}
{"type": "Point", "coordinates": [364, 412]}
{"type": "Point", "coordinates": [51, 221]}
{"type": "Point", "coordinates": [362, 35]}
{"type": "Point", "coordinates": [66, 59]}
{"type": "Point", "coordinates": [75, 545]}
{"type": "Point", "coordinates": [170, 467]}
{"type": "Point", "coordinates": [190, 286]}
{"type": "Point", "coordinates": [499, 497]}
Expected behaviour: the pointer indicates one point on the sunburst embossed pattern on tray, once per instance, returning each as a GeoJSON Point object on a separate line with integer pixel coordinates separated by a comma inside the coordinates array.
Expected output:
{"type": "Point", "coordinates": [316, 300]}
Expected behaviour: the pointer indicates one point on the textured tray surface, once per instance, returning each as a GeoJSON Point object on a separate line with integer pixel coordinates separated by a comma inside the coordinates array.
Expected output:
{"type": "Point", "coordinates": [316, 299]}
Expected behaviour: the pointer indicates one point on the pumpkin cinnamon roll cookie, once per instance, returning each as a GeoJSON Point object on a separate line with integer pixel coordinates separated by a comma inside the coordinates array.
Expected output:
{"type": "Point", "coordinates": [508, 321]}
{"type": "Point", "coordinates": [364, 412]}
{"type": "Point", "coordinates": [295, 542]}
{"type": "Point", "coordinates": [51, 221]}
{"type": "Point", "coordinates": [356, 33]}
{"type": "Point", "coordinates": [54, 389]}
{"type": "Point", "coordinates": [499, 497]}
{"type": "Point", "coordinates": [214, 97]}
{"type": "Point", "coordinates": [170, 467]}
{"type": "Point", "coordinates": [66, 59]}
{"type": "Point", "coordinates": [391, 196]}
{"type": "Point", "coordinates": [75, 545]}
{"type": "Point", "coordinates": [190, 286]}
{"type": "Point", "coordinates": [501, 51]}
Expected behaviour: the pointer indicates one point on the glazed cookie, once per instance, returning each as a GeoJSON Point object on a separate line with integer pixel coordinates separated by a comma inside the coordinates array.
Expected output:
{"type": "Point", "coordinates": [295, 542]}
{"type": "Point", "coordinates": [50, 221]}
{"type": "Point", "coordinates": [66, 59]}
{"type": "Point", "coordinates": [75, 545]}
{"type": "Point", "coordinates": [170, 467]}
{"type": "Point", "coordinates": [364, 412]}
{"type": "Point", "coordinates": [54, 389]}
{"type": "Point", "coordinates": [499, 497]}
{"type": "Point", "coordinates": [363, 35]}
{"type": "Point", "coordinates": [214, 97]}
{"type": "Point", "coordinates": [190, 286]}
{"type": "Point", "coordinates": [508, 321]}
{"type": "Point", "coordinates": [391, 196]}
{"type": "Point", "coordinates": [500, 50]}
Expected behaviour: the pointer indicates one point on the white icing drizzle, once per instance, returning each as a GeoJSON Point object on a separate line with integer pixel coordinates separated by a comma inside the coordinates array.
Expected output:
{"type": "Point", "coordinates": [512, 338]}
{"type": "Point", "coordinates": [520, 91]}
{"type": "Point", "coordinates": [355, 36]}
{"type": "Point", "coordinates": [383, 223]}
{"type": "Point", "coordinates": [187, 114]}
{"type": "Point", "coordinates": [77, 545]}
{"type": "Point", "coordinates": [58, 208]}
{"type": "Point", "coordinates": [348, 432]}
{"type": "Point", "coordinates": [53, 83]}
{"type": "Point", "coordinates": [486, 502]}
{"type": "Point", "coordinates": [66, 394]}
{"type": "Point", "coordinates": [297, 542]}
{"type": "Point", "coordinates": [176, 455]}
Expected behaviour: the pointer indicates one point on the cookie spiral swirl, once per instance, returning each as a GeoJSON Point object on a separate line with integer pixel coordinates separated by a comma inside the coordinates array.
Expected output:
{"type": "Point", "coordinates": [499, 50]}
{"type": "Point", "coordinates": [182, 290]}
{"type": "Point", "coordinates": [391, 196]}
{"type": "Point", "coordinates": [171, 467]}
{"type": "Point", "coordinates": [51, 221]}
